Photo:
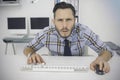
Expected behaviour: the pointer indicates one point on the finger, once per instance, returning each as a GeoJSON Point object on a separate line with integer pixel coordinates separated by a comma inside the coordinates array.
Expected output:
{"type": "Point", "coordinates": [92, 66]}
{"type": "Point", "coordinates": [33, 59]}
{"type": "Point", "coordinates": [42, 61]}
{"type": "Point", "coordinates": [29, 60]}
{"type": "Point", "coordinates": [38, 59]}
{"type": "Point", "coordinates": [106, 68]}
{"type": "Point", "coordinates": [101, 64]}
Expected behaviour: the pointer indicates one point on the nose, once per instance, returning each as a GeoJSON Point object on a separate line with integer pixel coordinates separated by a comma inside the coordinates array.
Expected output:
{"type": "Point", "coordinates": [64, 24]}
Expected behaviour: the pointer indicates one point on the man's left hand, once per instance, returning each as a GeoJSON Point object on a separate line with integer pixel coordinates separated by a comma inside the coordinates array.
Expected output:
{"type": "Point", "coordinates": [104, 65]}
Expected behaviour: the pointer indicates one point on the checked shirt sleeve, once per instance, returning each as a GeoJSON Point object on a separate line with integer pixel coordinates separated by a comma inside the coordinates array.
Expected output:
{"type": "Point", "coordinates": [94, 42]}
{"type": "Point", "coordinates": [38, 41]}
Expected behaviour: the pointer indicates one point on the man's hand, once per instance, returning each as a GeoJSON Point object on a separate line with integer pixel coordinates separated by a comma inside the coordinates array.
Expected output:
{"type": "Point", "coordinates": [102, 61]}
{"type": "Point", "coordinates": [104, 65]}
{"type": "Point", "coordinates": [35, 58]}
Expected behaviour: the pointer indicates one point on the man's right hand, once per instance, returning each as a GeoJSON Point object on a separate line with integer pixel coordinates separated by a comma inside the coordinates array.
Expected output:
{"type": "Point", "coordinates": [35, 58]}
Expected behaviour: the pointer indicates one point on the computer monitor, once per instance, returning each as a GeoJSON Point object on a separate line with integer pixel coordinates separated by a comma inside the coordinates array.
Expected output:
{"type": "Point", "coordinates": [10, 1]}
{"type": "Point", "coordinates": [16, 25]}
{"type": "Point", "coordinates": [38, 23]}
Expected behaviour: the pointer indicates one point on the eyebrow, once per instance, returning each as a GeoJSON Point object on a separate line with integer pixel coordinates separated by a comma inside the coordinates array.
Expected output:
{"type": "Point", "coordinates": [65, 19]}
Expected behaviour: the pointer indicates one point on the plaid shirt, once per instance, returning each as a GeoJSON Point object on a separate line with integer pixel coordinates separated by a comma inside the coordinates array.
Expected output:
{"type": "Point", "coordinates": [80, 37]}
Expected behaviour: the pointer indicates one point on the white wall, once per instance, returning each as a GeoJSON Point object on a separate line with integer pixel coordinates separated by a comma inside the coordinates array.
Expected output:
{"type": "Point", "coordinates": [102, 16]}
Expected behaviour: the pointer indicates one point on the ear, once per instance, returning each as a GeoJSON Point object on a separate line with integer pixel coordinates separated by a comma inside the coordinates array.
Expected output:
{"type": "Point", "coordinates": [53, 21]}
{"type": "Point", "coordinates": [75, 20]}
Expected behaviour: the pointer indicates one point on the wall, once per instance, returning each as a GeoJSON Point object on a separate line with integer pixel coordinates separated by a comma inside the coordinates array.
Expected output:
{"type": "Point", "coordinates": [102, 16]}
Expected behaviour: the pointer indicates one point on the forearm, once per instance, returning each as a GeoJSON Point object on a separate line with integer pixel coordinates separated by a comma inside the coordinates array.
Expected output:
{"type": "Point", "coordinates": [28, 50]}
{"type": "Point", "coordinates": [105, 55]}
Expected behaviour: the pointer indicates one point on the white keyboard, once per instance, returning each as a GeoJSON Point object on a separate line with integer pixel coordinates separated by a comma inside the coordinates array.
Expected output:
{"type": "Point", "coordinates": [52, 68]}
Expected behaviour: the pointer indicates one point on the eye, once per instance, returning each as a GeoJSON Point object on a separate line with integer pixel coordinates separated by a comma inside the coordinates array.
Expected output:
{"type": "Point", "coordinates": [60, 20]}
{"type": "Point", "coordinates": [68, 19]}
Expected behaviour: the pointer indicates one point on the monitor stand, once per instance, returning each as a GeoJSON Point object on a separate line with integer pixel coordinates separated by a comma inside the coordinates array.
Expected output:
{"type": "Point", "coordinates": [28, 36]}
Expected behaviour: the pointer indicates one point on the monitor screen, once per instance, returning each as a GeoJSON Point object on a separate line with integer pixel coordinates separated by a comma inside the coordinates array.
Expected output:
{"type": "Point", "coordinates": [39, 22]}
{"type": "Point", "coordinates": [9, 0]}
{"type": "Point", "coordinates": [16, 23]}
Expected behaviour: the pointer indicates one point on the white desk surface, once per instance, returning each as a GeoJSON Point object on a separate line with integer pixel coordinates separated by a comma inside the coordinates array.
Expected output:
{"type": "Point", "coordinates": [10, 69]}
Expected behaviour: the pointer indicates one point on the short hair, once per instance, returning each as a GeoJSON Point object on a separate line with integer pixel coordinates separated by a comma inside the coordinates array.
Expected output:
{"type": "Point", "coordinates": [64, 5]}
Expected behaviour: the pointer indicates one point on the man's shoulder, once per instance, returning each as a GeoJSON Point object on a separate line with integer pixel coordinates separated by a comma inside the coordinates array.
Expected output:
{"type": "Point", "coordinates": [83, 30]}
{"type": "Point", "coordinates": [49, 30]}
{"type": "Point", "coordinates": [81, 27]}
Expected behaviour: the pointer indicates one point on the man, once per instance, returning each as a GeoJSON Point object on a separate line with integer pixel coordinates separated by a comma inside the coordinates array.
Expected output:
{"type": "Point", "coordinates": [76, 35]}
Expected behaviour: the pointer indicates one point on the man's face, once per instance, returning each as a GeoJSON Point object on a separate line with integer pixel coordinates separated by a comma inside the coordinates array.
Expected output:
{"type": "Point", "coordinates": [64, 22]}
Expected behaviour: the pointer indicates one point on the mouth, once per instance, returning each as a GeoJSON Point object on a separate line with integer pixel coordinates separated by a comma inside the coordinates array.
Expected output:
{"type": "Point", "coordinates": [65, 31]}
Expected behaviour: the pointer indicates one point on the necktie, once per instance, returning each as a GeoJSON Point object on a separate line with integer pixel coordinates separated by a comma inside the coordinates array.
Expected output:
{"type": "Point", "coordinates": [67, 51]}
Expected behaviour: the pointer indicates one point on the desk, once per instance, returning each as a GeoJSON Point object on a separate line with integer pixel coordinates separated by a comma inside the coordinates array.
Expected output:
{"type": "Point", "coordinates": [15, 40]}
{"type": "Point", "coordinates": [10, 69]}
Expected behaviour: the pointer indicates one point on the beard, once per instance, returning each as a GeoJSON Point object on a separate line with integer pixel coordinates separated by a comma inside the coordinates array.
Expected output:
{"type": "Point", "coordinates": [64, 32]}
